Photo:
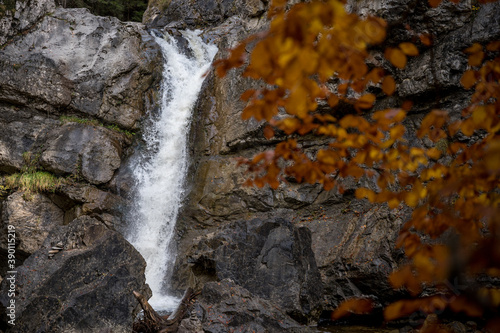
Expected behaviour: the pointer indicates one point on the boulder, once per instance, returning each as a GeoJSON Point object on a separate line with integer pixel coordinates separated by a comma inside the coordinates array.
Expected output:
{"type": "Point", "coordinates": [23, 130]}
{"type": "Point", "coordinates": [33, 218]}
{"type": "Point", "coordinates": [86, 287]}
{"type": "Point", "coordinates": [82, 150]}
{"type": "Point", "coordinates": [227, 307]}
{"type": "Point", "coordinates": [272, 259]}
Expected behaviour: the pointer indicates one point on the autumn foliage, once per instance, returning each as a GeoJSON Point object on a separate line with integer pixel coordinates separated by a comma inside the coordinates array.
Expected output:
{"type": "Point", "coordinates": [315, 61]}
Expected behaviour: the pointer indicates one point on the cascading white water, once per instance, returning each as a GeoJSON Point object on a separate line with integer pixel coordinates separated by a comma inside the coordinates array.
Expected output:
{"type": "Point", "coordinates": [162, 168]}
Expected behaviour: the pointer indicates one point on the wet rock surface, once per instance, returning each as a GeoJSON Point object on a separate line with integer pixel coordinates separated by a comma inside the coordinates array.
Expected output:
{"type": "Point", "coordinates": [86, 287]}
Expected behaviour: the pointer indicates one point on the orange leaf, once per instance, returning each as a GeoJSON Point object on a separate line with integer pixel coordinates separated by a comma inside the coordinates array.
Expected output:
{"type": "Point", "coordinates": [407, 105]}
{"type": "Point", "coordinates": [396, 57]}
{"type": "Point", "coordinates": [409, 49]}
{"type": "Point", "coordinates": [342, 88]}
{"type": "Point", "coordinates": [353, 305]}
{"type": "Point", "coordinates": [468, 79]}
{"type": "Point", "coordinates": [388, 85]}
{"type": "Point", "coordinates": [476, 47]}
{"type": "Point", "coordinates": [476, 59]}
{"type": "Point", "coordinates": [434, 153]}
{"type": "Point", "coordinates": [375, 75]}
{"type": "Point", "coordinates": [493, 46]}
{"type": "Point", "coordinates": [333, 100]}
{"type": "Point", "coordinates": [366, 101]}
{"type": "Point", "coordinates": [434, 3]}
{"type": "Point", "coordinates": [426, 39]}
{"type": "Point", "coordinates": [268, 132]}
{"type": "Point", "coordinates": [462, 304]}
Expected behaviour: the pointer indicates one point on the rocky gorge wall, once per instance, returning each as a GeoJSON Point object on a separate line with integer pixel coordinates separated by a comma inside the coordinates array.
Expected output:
{"type": "Point", "coordinates": [352, 241]}
{"type": "Point", "coordinates": [74, 87]}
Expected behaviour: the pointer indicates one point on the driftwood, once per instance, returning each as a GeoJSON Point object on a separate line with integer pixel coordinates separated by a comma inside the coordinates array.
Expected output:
{"type": "Point", "coordinates": [155, 323]}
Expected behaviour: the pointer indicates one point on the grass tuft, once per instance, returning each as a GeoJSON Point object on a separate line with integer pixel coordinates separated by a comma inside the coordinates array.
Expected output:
{"type": "Point", "coordinates": [33, 182]}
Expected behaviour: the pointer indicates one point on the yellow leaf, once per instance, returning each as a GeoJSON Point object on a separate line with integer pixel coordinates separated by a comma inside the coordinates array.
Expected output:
{"type": "Point", "coordinates": [327, 157]}
{"type": "Point", "coordinates": [409, 49]}
{"type": "Point", "coordinates": [393, 203]}
{"type": "Point", "coordinates": [397, 131]}
{"type": "Point", "coordinates": [479, 115]}
{"type": "Point", "coordinates": [365, 193]}
{"type": "Point", "coordinates": [412, 199]}
{"type": "Point", "coordinates": [434, 153]}
{"type": "Point", "coordinates": [396, 57]}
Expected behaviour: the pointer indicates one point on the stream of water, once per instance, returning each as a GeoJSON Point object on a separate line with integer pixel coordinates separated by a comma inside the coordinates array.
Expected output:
{"type": "Point", "coordinates": [161, 169]}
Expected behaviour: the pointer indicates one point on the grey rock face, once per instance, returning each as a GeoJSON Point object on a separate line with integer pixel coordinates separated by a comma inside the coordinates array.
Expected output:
{"type": "Point", "coordinates": [272, 259]}
{"type": "Point", "coordinates": [226, 307]}
{"type": "Point", "coordinates": [89, 150]}
{"type": "Point", "coordinates": [352, 240]}
{"type": "Point", "coordinates": [22, 16]}
{"type": "Point", "coordinates": [22, 131]}
{"type": "Point", "coordinates": [96, 66]}
{"type": "Point", "coordinates": [33, 219]}
{"type": "Point", "coordinates": [86, 287]}
{"type": "Point", "coordinates": [200, 12]}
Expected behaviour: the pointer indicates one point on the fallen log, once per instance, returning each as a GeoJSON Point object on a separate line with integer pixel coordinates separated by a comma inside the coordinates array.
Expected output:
{"type": "Point", "coordinates": [155, 323]}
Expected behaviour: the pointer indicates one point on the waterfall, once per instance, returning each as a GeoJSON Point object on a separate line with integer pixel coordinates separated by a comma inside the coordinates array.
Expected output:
{"type": "Point", "coordinates": [161, 169]}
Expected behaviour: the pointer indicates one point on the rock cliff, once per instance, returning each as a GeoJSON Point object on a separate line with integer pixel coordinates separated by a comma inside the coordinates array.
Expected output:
{"type": "Point", "coordinates": [74, 88]}
{"type": "Point", "coordinates": [352, 240]}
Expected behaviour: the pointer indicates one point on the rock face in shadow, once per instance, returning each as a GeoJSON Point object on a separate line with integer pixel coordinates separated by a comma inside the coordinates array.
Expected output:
{"type": "Point", "coordinates": [271, 259]}
{"type": "Point", "coordinates": [227, 307]}
{"type": "Point", "coordinates": [86, 287]}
